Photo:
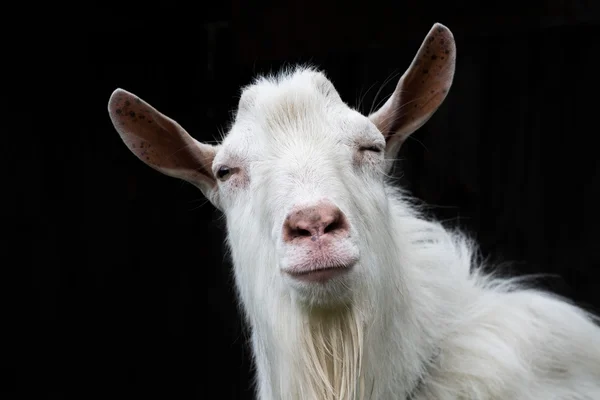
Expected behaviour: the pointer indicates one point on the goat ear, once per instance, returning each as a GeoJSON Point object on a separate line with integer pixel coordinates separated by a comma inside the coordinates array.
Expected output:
{"type": "Point", "coordinates": [162, 143]}
{"type": "Point", "coordinates": [420, 91]}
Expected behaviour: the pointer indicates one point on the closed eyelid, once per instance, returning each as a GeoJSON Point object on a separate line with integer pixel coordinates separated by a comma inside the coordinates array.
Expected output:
{"type": "Point", "coordinates": [366, 144]}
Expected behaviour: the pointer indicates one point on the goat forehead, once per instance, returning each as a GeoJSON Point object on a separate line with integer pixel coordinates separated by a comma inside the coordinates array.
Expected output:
{"type": "Point", "coordinates": [292, 136]}
{"type": "Point", "coordinates": [296, 104]}
{"type": "Point", "coordinates": [293, 115]}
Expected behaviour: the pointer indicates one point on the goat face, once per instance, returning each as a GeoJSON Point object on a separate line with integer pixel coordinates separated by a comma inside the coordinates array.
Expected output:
{"type": "Point", "coordinates": [300, 175]}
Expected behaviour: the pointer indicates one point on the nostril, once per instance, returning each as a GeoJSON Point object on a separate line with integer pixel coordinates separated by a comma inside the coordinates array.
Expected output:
{"type": "Point", "coordinates": [302, 232]}
{"type": "Point", "coordinates": [338, 223]}
{"type": "Point", "coordinates": [334, 226]}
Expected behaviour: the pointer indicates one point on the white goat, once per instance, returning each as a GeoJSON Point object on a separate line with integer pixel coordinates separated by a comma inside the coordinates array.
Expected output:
{"type": "Point", "coordinates": [349, 291]}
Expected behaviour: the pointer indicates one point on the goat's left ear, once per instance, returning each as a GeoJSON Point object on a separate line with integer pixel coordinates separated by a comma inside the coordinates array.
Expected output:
{"type": "Point", "coordinates": [420, 91]}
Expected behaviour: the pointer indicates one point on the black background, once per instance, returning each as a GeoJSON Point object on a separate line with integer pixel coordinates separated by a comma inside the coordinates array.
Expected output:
{"type": "Point", "coordinates": [123, 288]}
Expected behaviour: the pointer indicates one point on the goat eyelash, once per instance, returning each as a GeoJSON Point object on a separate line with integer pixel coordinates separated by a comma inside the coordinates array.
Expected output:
{"type": "Point", "coordinates": [374, 149]}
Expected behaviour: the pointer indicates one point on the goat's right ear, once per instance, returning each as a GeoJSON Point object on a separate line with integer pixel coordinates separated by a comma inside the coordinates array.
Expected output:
{"type": "Point", "coordinates": [162, 143]}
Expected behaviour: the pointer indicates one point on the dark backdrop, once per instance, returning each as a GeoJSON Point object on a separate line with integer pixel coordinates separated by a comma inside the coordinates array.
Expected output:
{"type": "Point", "coordinates": [126, 290]}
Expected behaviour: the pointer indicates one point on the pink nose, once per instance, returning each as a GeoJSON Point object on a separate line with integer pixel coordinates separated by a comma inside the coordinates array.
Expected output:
{"type": "Point", "coordinates": [315, 222]}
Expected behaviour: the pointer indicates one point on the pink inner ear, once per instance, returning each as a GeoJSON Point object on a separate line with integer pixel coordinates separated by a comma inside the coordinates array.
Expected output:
{"type": "Point", "coordinates": [159, 141]}
{"type": "Point", "coordinates": [422, 88]}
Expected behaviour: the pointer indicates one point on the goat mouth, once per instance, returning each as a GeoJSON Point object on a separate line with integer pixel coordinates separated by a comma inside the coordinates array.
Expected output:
{"type": "Point", "coordinates": [319, 275]}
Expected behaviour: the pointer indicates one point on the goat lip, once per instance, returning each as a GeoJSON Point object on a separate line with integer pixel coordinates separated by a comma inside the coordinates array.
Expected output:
{"type": "Point", "coordinates": [319, 275]}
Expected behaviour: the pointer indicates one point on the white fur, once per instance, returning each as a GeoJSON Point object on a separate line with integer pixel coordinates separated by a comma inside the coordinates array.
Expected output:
{"type": "Point", "coordinates": [415, 307]}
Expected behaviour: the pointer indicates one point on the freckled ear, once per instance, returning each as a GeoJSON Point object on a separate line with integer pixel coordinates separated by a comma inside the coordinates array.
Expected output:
{"type": "Point", "coordinates": [420, 91]}
{"type": "Point", "coordinates": [161, 142]}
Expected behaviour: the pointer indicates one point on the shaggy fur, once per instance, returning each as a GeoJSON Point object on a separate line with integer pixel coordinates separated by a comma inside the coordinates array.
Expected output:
{"type": "Point", "coordinates": [415, 317]}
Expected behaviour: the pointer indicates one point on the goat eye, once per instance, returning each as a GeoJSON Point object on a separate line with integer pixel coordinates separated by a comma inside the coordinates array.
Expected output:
{"type": "Point", "coordinates": [224, 173]}
{"type": "Point", "coordinates": [374, 149]}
